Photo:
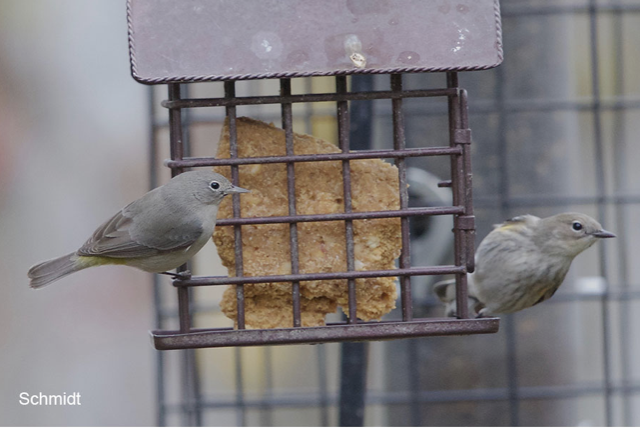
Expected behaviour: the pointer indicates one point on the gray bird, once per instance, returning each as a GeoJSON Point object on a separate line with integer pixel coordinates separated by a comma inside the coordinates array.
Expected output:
{"type": "Point", "coordinates": [156, 233]}
{"type": "Point", "coordinates": [523, 261]}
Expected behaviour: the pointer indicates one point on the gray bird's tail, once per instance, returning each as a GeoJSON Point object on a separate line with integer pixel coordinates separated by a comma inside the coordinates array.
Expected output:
{"type": "Point", "coordinates": [52, 270]}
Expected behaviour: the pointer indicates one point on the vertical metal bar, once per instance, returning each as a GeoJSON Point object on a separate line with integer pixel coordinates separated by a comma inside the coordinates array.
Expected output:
{"type": "Point", "coordinates": [399, 144]}
{"type": "Point", "coordinates": [230, 92]}
{"type": "Point", "coordinates": [468, 184]}
{"type": "Point", "coordinates": [413, 367]}
{"type": "Point", "coordinates": [266, 414]}
{"type": "Point", "coordinates": [287, 125]}
{"type": "Point", "coordinates": [321, 350]}
{"type": "Point", "coordinates": [191, 413]}
{"type": "Point", "coordinates": [353, 383]}
{"type": "Point", "coordinates": [161, 411]}
{"type": "Point", "coordinates": [458, 185]}
{"type": "Point", "coordinates": [191, 376]}
{"type": "Point", "coordinates": [308, 107]}
{"type": "Point", "coordinates": [343, 139]}
{"type": "Point", "coordinates": [620, 167]}
{"type": "Point", "coordinates": [241, 417]}
{"type": "Point", "coordinates": [503, 194]}
{"type": "Point", "coordinates": [601, 191]}
{"type": "Point", "coordinates": [177, 153]}
{"type": "Point", "coordinates": [322, 385]}
{"type": "Point", "coordinates": [185, 357]}
{"type": "Point", "coordinates": [353, 363]}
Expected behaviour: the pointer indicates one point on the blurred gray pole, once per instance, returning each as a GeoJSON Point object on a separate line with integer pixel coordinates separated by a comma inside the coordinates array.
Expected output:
{"type": "Point", "coordinates": [353, 383]}
{"type": "Point", "coordinates": [353, 364]}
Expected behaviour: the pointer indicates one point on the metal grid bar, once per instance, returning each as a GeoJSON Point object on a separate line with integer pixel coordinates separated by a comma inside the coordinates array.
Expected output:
{"type": "Point", "coordinates": [409, 212]}
{"type": "Point", "coordinates": [225, 280]}
{"type": "Point", "coordinates": [399, 144]}
{"type": "Point", "coordinates": [230, 93]}
{"type": "Point", "coordinates": [602, 214]}
{"type": "Point", "coordinates": [240, 402]}
{"type": "Point", "coordinates": [287, 125]}
{"type": "Point", "coordinates": [354, 355]}
{"type": "Point", "coordinates": [158, 303]}
{"type": "Point", "coordinates": [622, 219]}
{"type": "Point", "coordinates": [306, 98]}
{"type": "Point", "coordinates": [339, 332]}
{"type": "Point", "coordinates": [459, 182]}
{"type": "Point", "coordinates": [320, 157]}
{"type": "Point", "coordinates": [191, 377]}
{"type": "Point", "coordinates": [177, 152]}
{"type": "Point", "coordinates": [343, 142]}
{"type": "Point", "coordinates": [323, 401]}
{"type": "Point", "coordinates": [504, 204]}
{"type": "Point", "coordinates": [557, 392]}
{"type": "Point", "coordinates": [611, 103]}
{"type": "Point", "coordinates": [414, 385]}
{"type": "Point", "coordinates": [556, 201]}
{"type": "Point", "coordinates": [509, 10]}
{"type": "Point", "coordinates": [463, 137]}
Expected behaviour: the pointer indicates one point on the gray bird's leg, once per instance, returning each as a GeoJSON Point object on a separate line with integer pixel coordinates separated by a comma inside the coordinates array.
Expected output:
{"type": "Point", "coordinates": [178, 275]}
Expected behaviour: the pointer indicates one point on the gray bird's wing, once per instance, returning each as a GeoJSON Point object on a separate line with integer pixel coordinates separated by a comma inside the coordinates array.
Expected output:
{"type": "Point", "coordinates": [144, 228]}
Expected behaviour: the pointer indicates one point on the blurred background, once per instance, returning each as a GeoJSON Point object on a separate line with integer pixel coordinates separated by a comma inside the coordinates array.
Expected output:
{"type": "Point", "coordinates": [72, 152]}
{"type": "Point", "coordinates": [555, 129]}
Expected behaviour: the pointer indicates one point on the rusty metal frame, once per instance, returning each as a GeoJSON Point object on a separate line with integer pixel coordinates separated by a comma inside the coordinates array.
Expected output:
{"type": "Point", "coordinates": [458, 150]}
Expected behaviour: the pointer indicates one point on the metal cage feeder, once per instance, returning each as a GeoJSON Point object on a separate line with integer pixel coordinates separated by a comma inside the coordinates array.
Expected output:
{"type": "Point", "coordinates": [175, 45]}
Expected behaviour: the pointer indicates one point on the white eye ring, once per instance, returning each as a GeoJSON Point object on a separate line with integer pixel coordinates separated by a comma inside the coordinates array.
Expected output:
{"type": "Point", "coordinates": [576, 226]}
{"type": "Point", "coordinates": [214, 185]}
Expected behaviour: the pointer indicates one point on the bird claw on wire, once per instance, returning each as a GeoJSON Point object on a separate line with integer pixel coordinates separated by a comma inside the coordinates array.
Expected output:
{"type": "Point", "coordinates": [181, 276]}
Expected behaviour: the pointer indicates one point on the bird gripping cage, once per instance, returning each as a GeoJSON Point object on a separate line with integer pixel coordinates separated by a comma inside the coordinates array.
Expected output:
{"type": "Point", "coordinates": [174, 43]}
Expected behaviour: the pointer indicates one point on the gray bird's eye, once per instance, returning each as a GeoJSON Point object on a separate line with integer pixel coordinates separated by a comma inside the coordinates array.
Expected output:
{"type": "Point", "coordinates": [577, 226]}
{"type": "Point", "coordinates": [214, 185]}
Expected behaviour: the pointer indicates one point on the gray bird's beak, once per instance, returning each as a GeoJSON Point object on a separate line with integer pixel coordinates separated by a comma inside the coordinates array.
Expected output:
{"type": "Point", "coordinates": [603, 234]}
{"type": "Point", "coordinates": [236, 189]}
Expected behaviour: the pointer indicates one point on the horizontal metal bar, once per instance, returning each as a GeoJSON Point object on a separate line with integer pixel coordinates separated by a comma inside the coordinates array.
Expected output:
{"type": "Point", "coordinates": [500, 394]}
{"type": "Point", "coordinates": [165, 340]}
{"type": "Point", "coordinates": [306, 98]}
{"type": "Point", "coordinates": [226, 280]}
{"type": "Point", "coordinates": [477, 107]}
{"type": "Point", "coordinates": [306, 399]}
{"type": "Point", "coordinates": [542, 105]}
{"type": "Point", "coordinates": [613, 295]}
{"type": "Point", "coordinates": [516, 106]}
{"type": "Point", "coordinates": [410, 212]}
{"type": "Point", "coordinates": [319, 157]}
{"type": "Point", "coordinates": [510, 10]}
{"type": "Point", "coordinates": [490, 201]}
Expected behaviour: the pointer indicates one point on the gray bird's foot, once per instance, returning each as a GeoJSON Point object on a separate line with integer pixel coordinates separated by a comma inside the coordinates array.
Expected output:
{"type": "Point", "coordinates": [184, 275]}
{"type": "Point", "coordinates": [483, 313]}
